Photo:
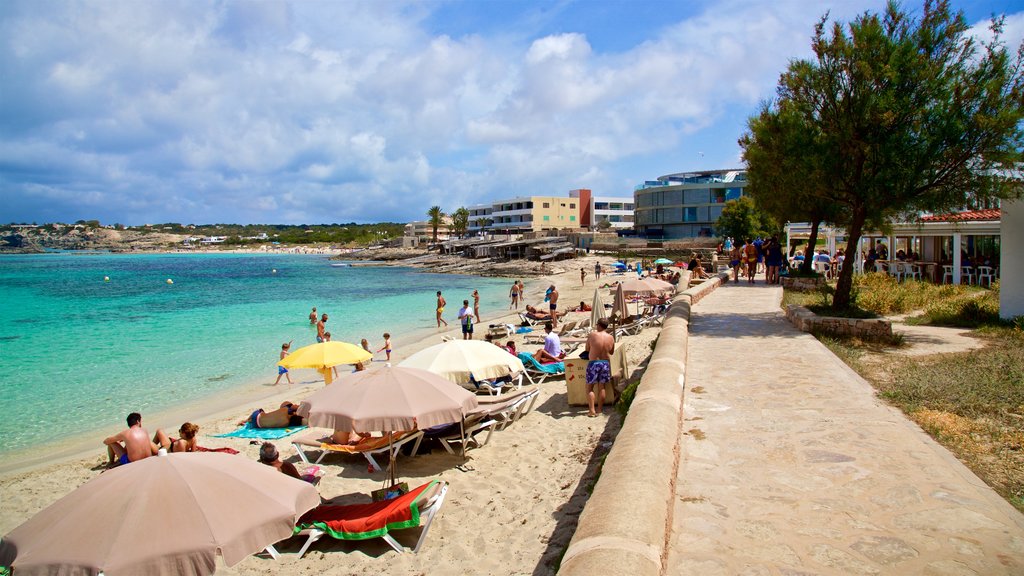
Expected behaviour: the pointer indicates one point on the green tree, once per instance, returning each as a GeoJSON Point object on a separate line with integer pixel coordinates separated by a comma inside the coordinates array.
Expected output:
{"type": "Point", "coordinates": [909, 115]}
{"type": "Point", "coordinates": [742, 219]}
{"type": "Point", "coordinates": [783, 178]}
{"type": "Point", "coordinates": [603, 225]}
{"type": "Point", "coordinates": [460, 221]}
{"type": "Point", "coordinates": [436, 217]}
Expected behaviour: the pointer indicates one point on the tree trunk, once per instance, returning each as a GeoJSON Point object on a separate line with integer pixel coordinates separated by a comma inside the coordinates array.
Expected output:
{"type": "Point", "coordinates": [808, 263]}
{"type": "Point", "coordinates": [841, 299]}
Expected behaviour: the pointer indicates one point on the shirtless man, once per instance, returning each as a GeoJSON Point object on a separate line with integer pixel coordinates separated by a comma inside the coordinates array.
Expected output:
{"type": "Point", "coordinates": [320, 328]}
{"type": "Point", "coordinates": [553, 304]}
{"type": "Point", "coordinates": [283, 417]}
{"type": "Point", "coordinates": [312, 316]}
{"type": "Point", "coordinates": [440, 310]}
{"type": "Point", "coordinates": [600, 346]}
{"type": "Point", "coordinates": [130, 445]}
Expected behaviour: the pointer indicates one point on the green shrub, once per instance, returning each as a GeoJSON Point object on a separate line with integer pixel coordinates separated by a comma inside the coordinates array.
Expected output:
{"type": "Point", "coordinates": [626, 398]}
{"type": "Point", "coordinates": [965, 311]}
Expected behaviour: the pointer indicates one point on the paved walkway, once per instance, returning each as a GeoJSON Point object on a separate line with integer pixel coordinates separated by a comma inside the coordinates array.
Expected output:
{"type": "Point", "coordinates": [790, 465]}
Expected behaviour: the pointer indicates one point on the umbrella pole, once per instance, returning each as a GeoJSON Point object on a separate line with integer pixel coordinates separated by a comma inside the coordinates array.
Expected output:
{"type": "Point", "coordinates": [462, 431]}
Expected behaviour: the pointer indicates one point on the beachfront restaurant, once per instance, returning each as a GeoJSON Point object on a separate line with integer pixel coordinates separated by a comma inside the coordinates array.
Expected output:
{"type": "Point", "coordinates": [957, 248]}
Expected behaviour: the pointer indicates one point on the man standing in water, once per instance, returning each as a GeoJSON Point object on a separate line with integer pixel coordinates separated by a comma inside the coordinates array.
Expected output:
{"type": "Point", "coordinates": [312, 316]}
{"type": "Point", "coordinates": [130, 445]}
{"type": "Point", "coordinates": [440, 310]}
{"type": "Point", "coordinates": [320, 328]}
{"type": "Point", "coordinates": [600, 346]}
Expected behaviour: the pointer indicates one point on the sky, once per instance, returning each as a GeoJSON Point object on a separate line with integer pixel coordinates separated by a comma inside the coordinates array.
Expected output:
{"type": "Point", "coordinates": [312, 112]}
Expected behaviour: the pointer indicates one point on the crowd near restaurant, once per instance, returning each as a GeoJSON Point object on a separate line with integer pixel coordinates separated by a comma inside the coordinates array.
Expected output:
{"type": "Point", "coordinates": [957, 248]}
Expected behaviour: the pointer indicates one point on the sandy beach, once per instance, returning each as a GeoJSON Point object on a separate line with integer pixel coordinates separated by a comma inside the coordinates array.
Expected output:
{"type": "Point", "coordinates": [512, 504]}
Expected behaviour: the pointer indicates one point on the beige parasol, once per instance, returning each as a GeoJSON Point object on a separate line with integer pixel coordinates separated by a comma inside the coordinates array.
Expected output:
{"type": "Point", "coordinates": [645, 286]}
{"type": "Point", "coordinates": [458, 360]}
{"type": "Point", "coordinates": [619, 307]}
{"type": "Point", "coordinates": [161, 515]}
{"type": "Point", "coordinates": [597, 308]}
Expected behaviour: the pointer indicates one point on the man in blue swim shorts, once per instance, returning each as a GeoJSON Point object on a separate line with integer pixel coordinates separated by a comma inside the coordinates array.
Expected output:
{"type": "Point", "coordinates": [600, 346]}
{"type": "Point", "coordinates": [130, 445]}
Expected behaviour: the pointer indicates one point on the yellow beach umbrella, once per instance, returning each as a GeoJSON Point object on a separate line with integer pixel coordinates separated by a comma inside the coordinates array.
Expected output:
{"type": "Point", "coordinates": [323, 356]}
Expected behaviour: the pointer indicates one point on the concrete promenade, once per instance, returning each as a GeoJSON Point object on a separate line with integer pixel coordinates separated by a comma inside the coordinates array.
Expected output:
{"type": "Point", "coordinates": [790, 465]}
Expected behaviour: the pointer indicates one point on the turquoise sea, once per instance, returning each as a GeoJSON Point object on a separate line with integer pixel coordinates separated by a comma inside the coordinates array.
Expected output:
{"type": "Point", "coordinates": [78, 352]}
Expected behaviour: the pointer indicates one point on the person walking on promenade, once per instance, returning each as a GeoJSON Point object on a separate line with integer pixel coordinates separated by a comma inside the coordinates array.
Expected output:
{"type": "Point", "coordinates": [466, 318]}
{"type": "Point", "coordinates": [320, 328]}
{"type": "Point", "coordinates": [735, 261]}
{"type": "Point", "coordinates": [281, 370]}
{"type": "Point", "coordinates": [750, 255]}
{"type": "Point", "coordinates": [773, 258]}
{"type": "Point", "coordinates": [440, 310]}
{"type": "Point", "coordinates": [600, 345]}
{"type": "Point", "coordinates": [513, 293]}
{"type": "Point", "coordinates": [476, 305]}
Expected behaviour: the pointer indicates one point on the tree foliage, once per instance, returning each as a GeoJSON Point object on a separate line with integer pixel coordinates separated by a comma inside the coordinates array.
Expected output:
{"type": "Point", "coordinates": [742, 219]}
{"type": "Point", "coordinates": [460, 221]}
{"type": "Point", "coordinates": [904, 115]}
{"type": "Point", "coordinates": [436, 216]}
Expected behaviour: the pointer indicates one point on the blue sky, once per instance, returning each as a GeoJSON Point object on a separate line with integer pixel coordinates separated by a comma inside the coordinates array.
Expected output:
{"type": "Point", "coordinates": [316, 112]}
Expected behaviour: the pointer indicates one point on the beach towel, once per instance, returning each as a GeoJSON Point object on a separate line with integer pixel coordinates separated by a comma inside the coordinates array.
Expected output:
{"type": "Point", "coordinates": [221, 450]}
{"type": "Point", "coordinates": [261, 433]}
{"type": "Point", "coordinates": [362, 521]}
{"type": "Point", "coordinates": [551, 368]}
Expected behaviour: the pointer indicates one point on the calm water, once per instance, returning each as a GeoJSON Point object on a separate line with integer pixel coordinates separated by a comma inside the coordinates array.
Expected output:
{"type": "Point", "coordinates": [76, 351]}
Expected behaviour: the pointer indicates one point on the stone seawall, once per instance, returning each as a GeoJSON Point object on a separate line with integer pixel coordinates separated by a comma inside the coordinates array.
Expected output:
{"type": "Point", "coordinates": [624, 527]}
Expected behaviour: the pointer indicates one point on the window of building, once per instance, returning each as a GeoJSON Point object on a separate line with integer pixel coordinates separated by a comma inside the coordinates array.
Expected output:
{"type": "Point", "coordinates": [600, 205]}
{"type": "Point", "coordinates": [627, 206]}
{"type": "Point", "coordinates": [547, 218]}
{"type": "Point", "coordinates": [572, 218]}
{"type": "Point", "coordinates": [546, 205]}
{"type": "Point", "coordinates": [733, 193]}
{"type": "Point", "coordinates": [690, 214]}
{"type": "Point", "coordinates": [571, 205]}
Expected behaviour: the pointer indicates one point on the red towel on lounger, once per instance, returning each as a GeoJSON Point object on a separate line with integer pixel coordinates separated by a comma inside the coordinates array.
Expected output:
{"type": "Point", "coordinates": [361, 521]}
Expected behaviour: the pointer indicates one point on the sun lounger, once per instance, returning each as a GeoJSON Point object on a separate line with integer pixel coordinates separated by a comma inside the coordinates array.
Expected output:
{"type": "Point", "coordinates": [508, 408]}
{"type": "Point", "coordinates": [375, 519]}
{"type": "Point", "coordinates": [367, 447]}
{"type": "Point", "coordinates": [493, 387]}
{"type": "Point", "coordinates": [463, 432]}
{"type": "Point", "coordinates": [628, 329]}
{"type": "Point", "coordinates": [537, 372]}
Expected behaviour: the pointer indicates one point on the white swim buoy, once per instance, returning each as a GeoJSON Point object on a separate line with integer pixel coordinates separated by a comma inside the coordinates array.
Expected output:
{"type": "Point", "coordinates": [274, 271]}
{"type": "Point", "coordinates": [106, 278]}
{"type": "Point", "coordinates": [169, 281]}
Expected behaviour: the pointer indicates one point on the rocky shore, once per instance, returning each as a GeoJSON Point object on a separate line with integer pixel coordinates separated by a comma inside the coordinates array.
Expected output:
{"type": "Point", "coordinates": [453, 264]}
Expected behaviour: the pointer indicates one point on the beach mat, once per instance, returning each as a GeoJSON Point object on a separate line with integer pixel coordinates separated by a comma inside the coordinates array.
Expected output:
{"type": "Point", "coordinates": [261, 433]}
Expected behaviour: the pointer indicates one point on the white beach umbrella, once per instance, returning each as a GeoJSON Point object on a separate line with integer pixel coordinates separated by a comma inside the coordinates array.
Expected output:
{"type": "Point", "coordinates": [459, 360]}
{"type": "Point", "coordinates": [597, 308]}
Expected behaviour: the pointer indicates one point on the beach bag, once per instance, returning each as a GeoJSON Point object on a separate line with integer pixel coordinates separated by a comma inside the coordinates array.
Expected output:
{"type": "Point", "coordinates": [391, 492]}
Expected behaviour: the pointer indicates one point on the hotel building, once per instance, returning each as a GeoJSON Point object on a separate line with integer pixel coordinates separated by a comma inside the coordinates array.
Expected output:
{"type": "Point", "coordinates": [687, 204]}
{"type": "Point", "coordinates": [581, 209]}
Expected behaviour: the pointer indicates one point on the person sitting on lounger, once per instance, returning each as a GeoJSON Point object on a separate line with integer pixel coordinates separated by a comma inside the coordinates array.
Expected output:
{"type": "Point", "coordinates": [283, 417]}
{"type": "Point", "coordinates": [552, 350]}
{"type": "Point", "coordinates": [511, 347]}
{"type": "Point", "coordinates": [270, 456]}
{"type": "Point", "coordinates": [536, 314]}
{"type": "Point", "coordinates": [185, 443]}
{"type": "Point", "coordinates": [130, 445]}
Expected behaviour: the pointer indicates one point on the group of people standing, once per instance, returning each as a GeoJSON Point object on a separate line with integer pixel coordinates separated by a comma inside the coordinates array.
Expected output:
{"type": "Point", "coordinates": [754, 254]}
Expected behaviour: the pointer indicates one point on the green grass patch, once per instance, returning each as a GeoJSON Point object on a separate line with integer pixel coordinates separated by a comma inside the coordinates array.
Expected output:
{"type": "Point", "coordinates": [883, 295]}
{"type": "Point", "coordinates": [970, 310]}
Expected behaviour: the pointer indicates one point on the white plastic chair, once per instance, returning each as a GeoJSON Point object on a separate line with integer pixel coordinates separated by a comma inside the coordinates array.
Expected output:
{"type": "Point", "coordinates": [822, 268]}
{"type": "Point", "coordinates": [912, 271]}
{"type": "Point", "coordinates": [879, 267]}
{"type": "Point", "coordinates": [966, 275]}
{"type": "Point", "coordinates": [985, 275]}
{"type": "Point", "coordinates": [896, 270]}
{"type": "Point", "coordinates": [947, 272]}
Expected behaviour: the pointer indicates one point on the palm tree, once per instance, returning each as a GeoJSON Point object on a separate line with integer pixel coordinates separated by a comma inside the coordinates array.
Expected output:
{"type": "Point", "coordinates": [436, 216]}
{"type": "Point", "coordinates": [460, 221]}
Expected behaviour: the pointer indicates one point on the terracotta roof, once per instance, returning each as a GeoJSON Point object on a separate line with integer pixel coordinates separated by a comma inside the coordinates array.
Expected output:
{"type": "Point", "coordinates": [970, 215]}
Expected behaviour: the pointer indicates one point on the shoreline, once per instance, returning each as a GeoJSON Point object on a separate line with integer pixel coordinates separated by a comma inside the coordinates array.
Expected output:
{"type": "Point", "coordinates": [256, 392]}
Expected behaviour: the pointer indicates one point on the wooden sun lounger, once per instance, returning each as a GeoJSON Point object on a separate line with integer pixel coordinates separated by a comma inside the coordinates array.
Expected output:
{"type": "Point", "coordinates": [368, 447]}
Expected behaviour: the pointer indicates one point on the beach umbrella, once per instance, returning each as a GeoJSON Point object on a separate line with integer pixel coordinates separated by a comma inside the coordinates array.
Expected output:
{"type": "Point", "coordinates": [646, 286]}
{"type": "Point", "coordinates": [324, 355]}
{"type": "Point", "coordinates": [619, 307]}
{"type": "Point", "coordinates": [392, 399]}
{"type": "Point", "coordinates": [164, 515]}
{"type": "Point", "coordinates": [459, 360]}
{"type": "Point", "coordinates": [597, 308]}
{"type": "Point", "coordinates": [619, 265]}
{"type": "Point", "coordinates": [663, 261]}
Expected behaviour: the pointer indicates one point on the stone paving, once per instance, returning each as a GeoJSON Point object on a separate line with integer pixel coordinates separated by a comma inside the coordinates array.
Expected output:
{"type": "Point", "coordinates": [790, 465]}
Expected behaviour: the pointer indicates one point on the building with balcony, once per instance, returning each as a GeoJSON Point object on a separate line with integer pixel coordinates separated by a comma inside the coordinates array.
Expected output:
{"type": "Point", "coordinates": [685, 205]}
{"type": "Point", "coordinates": [618, 211]}
{"type": "Point", "coordinates": [526, 214]}
{"type": "Point", "coordinates": [421, 232]}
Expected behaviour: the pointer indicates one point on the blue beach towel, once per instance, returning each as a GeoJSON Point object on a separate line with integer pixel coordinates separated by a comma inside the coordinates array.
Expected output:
{"type": "Point", "coordinates": [261, 433]}
{"type": "Point", "coordinates": [553, 368]}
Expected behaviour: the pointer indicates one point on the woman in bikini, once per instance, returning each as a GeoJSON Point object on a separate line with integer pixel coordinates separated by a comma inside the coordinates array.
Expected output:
{"type": "Point", "coordinates": [186, 443]}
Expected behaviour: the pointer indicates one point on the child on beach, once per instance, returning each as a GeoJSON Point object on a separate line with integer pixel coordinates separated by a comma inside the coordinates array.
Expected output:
{"type": "Point", "coordinates": [387, 345]}
{"type": "Point", "coordinates": [281, 370]}
{"type": "Point", "coordinates": [327, 338]}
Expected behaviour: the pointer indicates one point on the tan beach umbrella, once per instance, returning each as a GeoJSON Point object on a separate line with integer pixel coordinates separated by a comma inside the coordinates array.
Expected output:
{"type": "Point", "coordinates": [390, 399]}
{"type": "Point", "coordinates": [644, 286]}
{"type": "Point", "coordinates": [458, 360]}
{"type": "Point", "coordinates": [324, 355]}
{"type": "Point", "coordinates": [619, 307]}
{"type": "Point", "coordinates": [161, 515]}
{"type": "Point", "coordinates": [597, 308]}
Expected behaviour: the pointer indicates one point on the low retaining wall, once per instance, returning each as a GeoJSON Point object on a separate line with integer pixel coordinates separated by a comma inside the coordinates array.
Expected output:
{"type": "Point", "coordinates": [865, 329]}
{"type": "Point", "coordinates": [803, 283]}
{"type": "Point", "coordinates": [624, 527]}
